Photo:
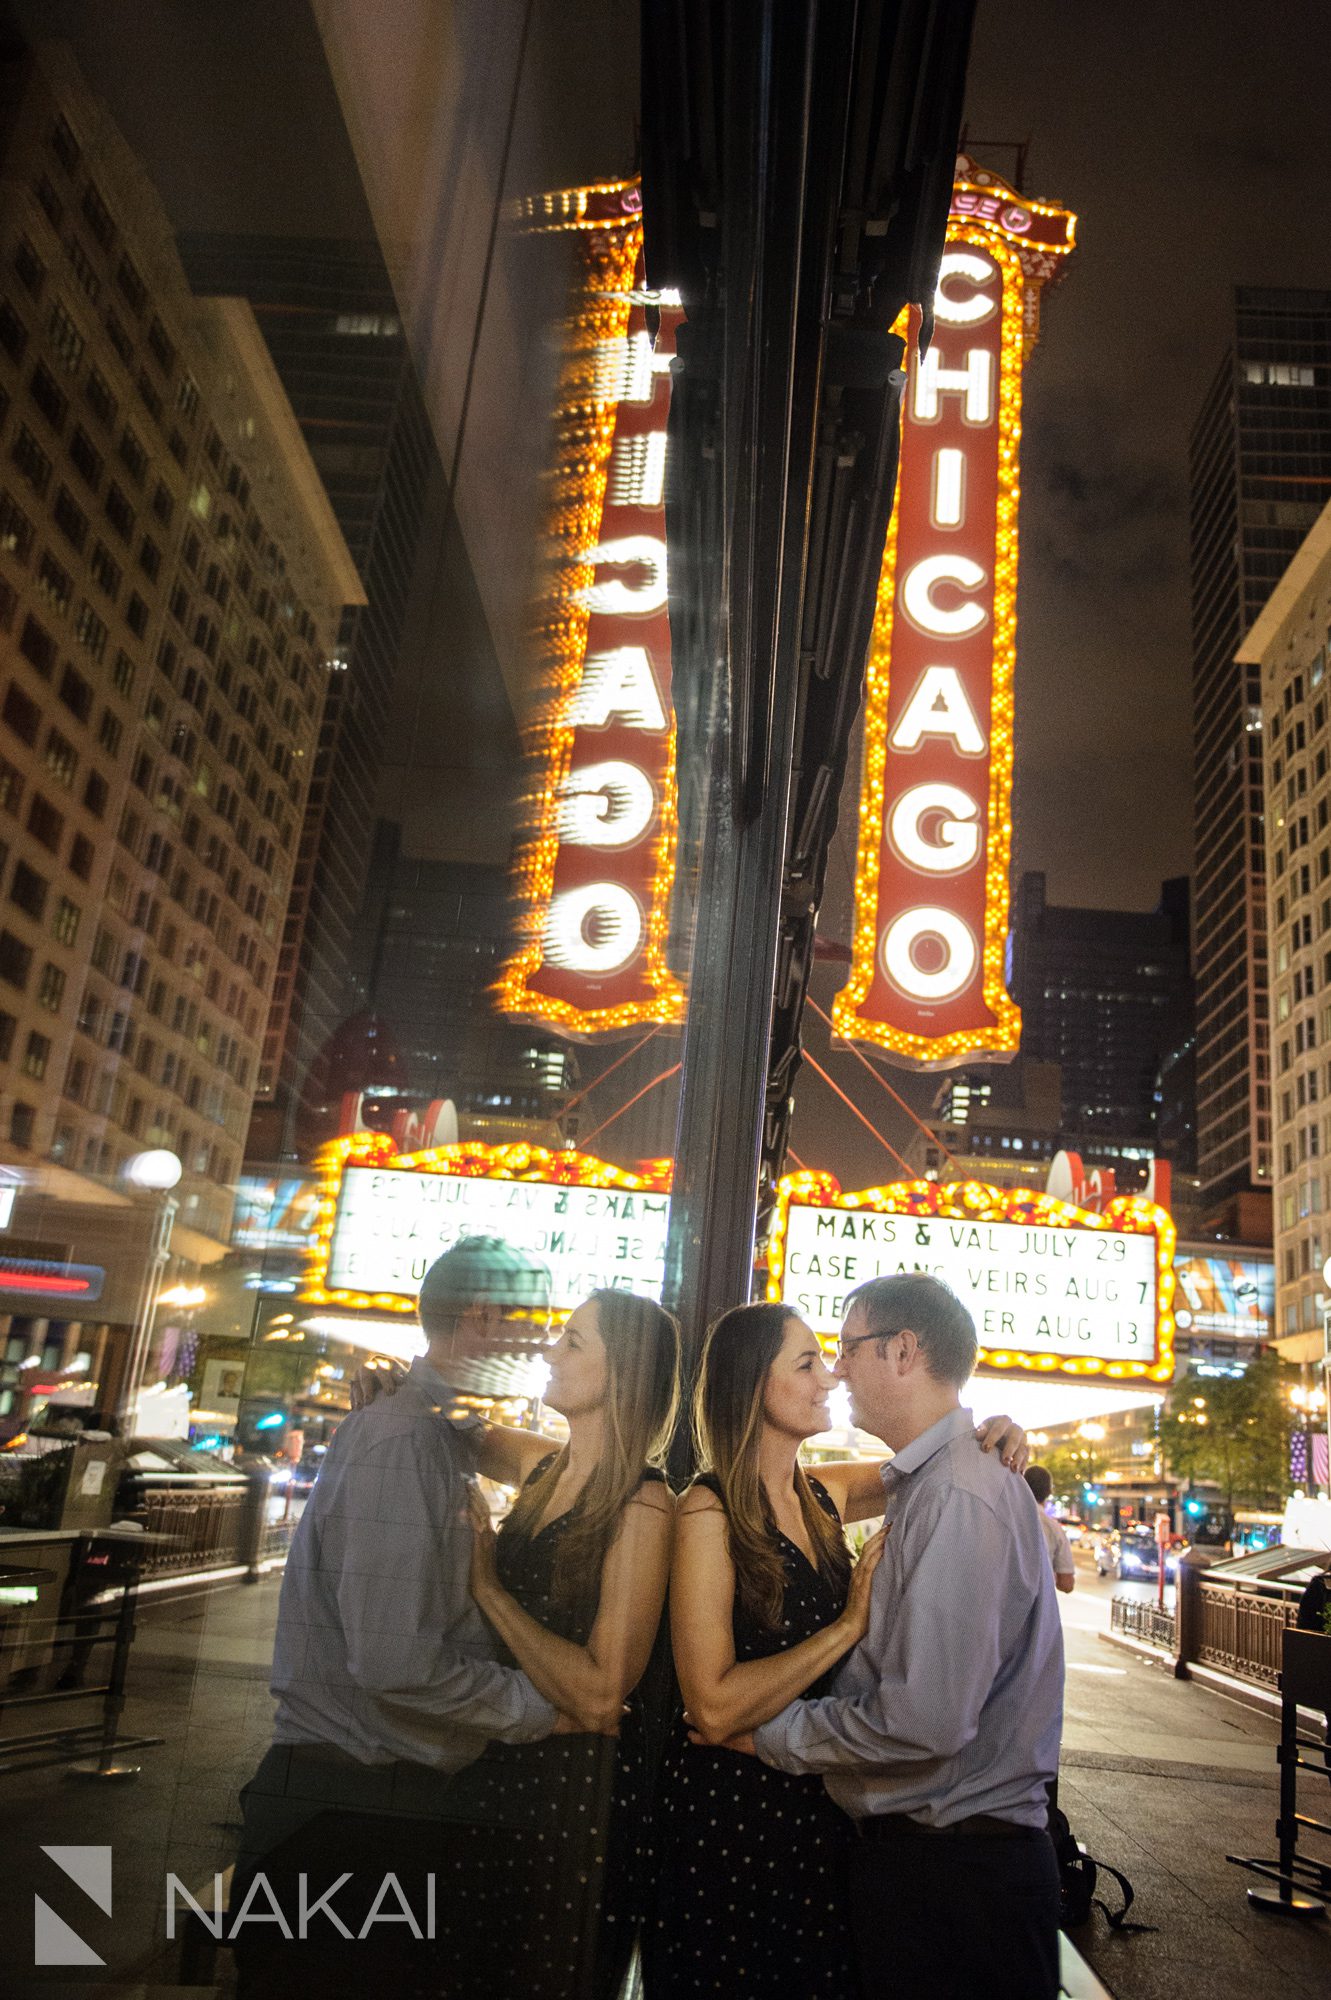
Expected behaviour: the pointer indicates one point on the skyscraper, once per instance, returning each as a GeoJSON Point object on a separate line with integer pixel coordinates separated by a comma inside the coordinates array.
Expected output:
{"type": "Point", "coordinates": [1260, 470]}
{"type": "Point", "coordinates": [172, 581]}
{"type": "Point", "coordinates": [1287, 649]}
{"type": "Point", "coordinates": [328, 314]}
{"type": "Point", "coordinates": [1100, 993]}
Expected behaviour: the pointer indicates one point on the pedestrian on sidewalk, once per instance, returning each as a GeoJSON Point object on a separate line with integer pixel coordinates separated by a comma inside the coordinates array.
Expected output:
{"type": "Point", "coordinates": [1040, 1481]}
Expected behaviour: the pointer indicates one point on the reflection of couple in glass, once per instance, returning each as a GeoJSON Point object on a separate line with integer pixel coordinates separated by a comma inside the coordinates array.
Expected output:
{"type": "Point", "coordinates": [478, 1708]}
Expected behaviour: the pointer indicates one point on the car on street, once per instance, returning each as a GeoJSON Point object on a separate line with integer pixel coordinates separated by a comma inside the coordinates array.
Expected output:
{"type": "Point", "coordinates": [1133, 1554]}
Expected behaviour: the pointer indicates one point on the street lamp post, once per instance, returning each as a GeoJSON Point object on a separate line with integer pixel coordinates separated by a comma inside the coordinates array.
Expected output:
{"type": "Point", "coordinates": [156, 1172]}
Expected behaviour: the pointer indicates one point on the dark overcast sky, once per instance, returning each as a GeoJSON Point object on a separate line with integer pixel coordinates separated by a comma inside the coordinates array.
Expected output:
{"type": "Point", "coordinates": [1191, 140]}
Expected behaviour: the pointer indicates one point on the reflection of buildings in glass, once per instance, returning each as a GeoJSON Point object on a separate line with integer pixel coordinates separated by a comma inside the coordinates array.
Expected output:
{"type": "Point", "coordinates": [329, 317]}
{"type": "Point", "coordinates": [430, 941]}
{"type": "Point", "coordinates": [171, 579]}
{"type": "Point", "coordinates": [1260, 463]}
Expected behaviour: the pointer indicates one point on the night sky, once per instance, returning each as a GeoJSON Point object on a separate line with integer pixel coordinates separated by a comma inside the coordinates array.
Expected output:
{"type": "Point", "coordinates": [1191, 141]}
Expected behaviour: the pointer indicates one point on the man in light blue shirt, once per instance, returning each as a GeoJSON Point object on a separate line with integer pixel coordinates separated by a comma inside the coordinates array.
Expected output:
{"type": "Point", "coordinates": [942, 1736]}
{"type": "Point", "coordinates": [384, 1671]}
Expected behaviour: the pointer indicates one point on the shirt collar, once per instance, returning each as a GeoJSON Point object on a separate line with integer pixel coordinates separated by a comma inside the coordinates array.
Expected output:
{"type": "Point", "coordinates": [957, 1423]}
{"type": "Point", "coordinates": [442, 1394]}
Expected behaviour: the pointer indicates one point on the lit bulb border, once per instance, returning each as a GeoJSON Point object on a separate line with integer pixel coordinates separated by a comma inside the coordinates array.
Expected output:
{"type": "Point", "coordinates": [473, 1160]}
{"type": "Point", "coordinates": [1003, 1035]}
{"type": "Point", "coordinates": [974, 1201]}
{"type": "Point", "coordinates": [585, 429]}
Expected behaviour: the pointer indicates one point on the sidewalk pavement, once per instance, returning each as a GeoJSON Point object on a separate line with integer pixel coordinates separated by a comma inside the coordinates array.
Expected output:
{"type": "Point", "coordinates": [1161, 1778]}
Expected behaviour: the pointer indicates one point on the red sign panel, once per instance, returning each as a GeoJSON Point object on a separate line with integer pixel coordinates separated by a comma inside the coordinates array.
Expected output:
{"type": "Point", "coordinates": [931, 888]}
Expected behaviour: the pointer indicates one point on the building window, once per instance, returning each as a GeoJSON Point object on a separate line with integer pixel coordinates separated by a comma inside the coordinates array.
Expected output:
{"type": "Point", "coordinates": [65, 923]}
{"type": "Point", "coordinates": [87, 459]}
{"type": "Point", "coordinates": [15, 960]}
{"type": "Point", "coordinates": [106, 572]}
{"type": "Point", "coordinates": [82, 854]}
{"type": "Point", "coordinates": [55, 584]}
{"type": "Point", "coordinates": [30, 268]}
{"type": "Point", "coordinates": [91, 632]}
{"type": "Point", "coordinates": [45, 823]}
{"type": "Point", "coordinates": [119, 512]}
{"type": "Point", "coordinates": [13, 333]}
{"type": "Point", "coordinates": [160, 347]}
{"type": "Point", "coordinates": [36, 1056]}
{"type": "Point", "coordinates": [22, 1124]}
{"type": "Point", "coordinates": [49, 397]}
{"type": "Point", "coordinates": [133, 456]}
{"type": "Point", "coordinates": [16, 530]}
{"type": "Point", "coordinates": [31, 460]}
{"type": "Point", "coordinates": [22, 715]}
{"type": "Point", "coordinates": [66, 340]}
{"type": "Point", "coordinates": [70, 518]}
{"type": "Point", "coordinates": [28, 890]}
{"type": "Point", "coordinates": [98, 216]}
{"type": "Point", "coordinates": [65, 146]}
{"type": "Point", "coordinates": [61, 758]}
{"type": "Point", "coordinates": [89, 282]}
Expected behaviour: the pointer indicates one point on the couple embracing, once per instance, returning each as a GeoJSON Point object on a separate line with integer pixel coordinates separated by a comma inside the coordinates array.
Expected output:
{"type": "Point", "coordinates": [855, 1798]}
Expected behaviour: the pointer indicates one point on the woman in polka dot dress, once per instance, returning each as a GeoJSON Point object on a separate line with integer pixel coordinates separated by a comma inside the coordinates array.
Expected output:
{"type": "Point", "coordinates": [749, 1896]}
{"type": "Point", "coordinates": [749, 1892]}
{"type": "Point", "coordinates": [574, 1586]}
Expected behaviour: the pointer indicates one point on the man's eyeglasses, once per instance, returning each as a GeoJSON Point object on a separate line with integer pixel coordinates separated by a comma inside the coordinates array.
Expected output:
{"type": "Point", "coordinates": [843, 1346]}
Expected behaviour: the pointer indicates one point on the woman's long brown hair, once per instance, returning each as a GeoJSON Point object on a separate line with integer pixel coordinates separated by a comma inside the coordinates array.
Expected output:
{"type": "Point", "coordinates": [728, 1420]}
{"type": "Point", "coordinates": [642, 1363]}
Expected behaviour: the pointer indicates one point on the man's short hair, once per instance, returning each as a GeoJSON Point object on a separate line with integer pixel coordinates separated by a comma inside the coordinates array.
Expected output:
{"type": "Point", "coordinates": [940, 1322]}
{"type": "Point", "coordinates": [481, 1270]}
{"type": "Point", "coordinates": [1041, 1482]}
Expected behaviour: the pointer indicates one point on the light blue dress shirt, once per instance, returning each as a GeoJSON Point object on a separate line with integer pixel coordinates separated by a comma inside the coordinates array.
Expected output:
{"type": "Point", "coordinates": [380, 1648]}
{"type": "Point", "coordinates": [952, 1703]}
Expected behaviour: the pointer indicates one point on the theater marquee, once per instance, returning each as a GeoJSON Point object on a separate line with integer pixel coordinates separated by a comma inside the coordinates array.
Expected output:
{"type": "Point", "coordinates": [927, 980]}
{"type": "Point", "coordinates": [1053, 1290]}
{"type": "Point", "coordinates": [385, 1216]}
{"type": "Point", "coordinates": [595, 874]}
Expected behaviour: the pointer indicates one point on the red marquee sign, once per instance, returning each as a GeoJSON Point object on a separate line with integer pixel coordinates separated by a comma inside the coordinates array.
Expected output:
{"type": "Point", "coordinates": [931, 889]}
{"type": "Point", "coordinates": [596, 875]}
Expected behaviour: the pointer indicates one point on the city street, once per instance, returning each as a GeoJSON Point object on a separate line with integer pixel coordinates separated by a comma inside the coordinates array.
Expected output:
{"type": "Point", "coordinates": [1163, 1778]}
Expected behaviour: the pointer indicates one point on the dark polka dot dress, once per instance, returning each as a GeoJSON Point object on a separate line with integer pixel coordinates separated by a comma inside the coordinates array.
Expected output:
{"type": "Point", "coordinates": [749, 1897]}
{"type": "Point", "coordinates": [558, 1901]}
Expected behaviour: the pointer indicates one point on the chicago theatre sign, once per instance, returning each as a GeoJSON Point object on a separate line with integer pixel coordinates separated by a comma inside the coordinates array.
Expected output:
{"type": "Point", "coordinates": [931, 884]}
{"type": "Point", "coordinates": [595, 876]}
{"type": "Point", "coordinates": [931, 893]}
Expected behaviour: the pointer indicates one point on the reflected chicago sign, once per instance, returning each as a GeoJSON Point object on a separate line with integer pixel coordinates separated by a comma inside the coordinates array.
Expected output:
{"type": "Point", "coordinates": [1052, 1289]}
{"type": "Point", "coordinates": [596, 873]}
{"type": "Point", "coordinates": [931, 890]}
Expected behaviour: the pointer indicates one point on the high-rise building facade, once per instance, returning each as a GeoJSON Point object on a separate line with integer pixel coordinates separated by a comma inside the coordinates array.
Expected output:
{"type": "Point", "coordinates": [1100, 993]}
{"type": "Point", "coordinates": [1260, 471]}
{"type": "Point", "coordinates": [1286, 652]}
{"type": "Point", "coordinates": [172, 581]}
{"type": "Point", "coordinates": [329, 318]}
{"type": "Point", "coordinates": [433, 938]}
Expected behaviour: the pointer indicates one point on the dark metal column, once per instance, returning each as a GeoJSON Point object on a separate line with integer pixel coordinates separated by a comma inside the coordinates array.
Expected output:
{"type": "Point", "coordinates": [797, 166]}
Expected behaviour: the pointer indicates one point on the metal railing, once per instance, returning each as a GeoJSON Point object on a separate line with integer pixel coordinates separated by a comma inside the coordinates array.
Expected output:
{"type": "Point", "coordinates": [1242, 1633]}
{"type": "Point", "coordinates": [1137, 1619]}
